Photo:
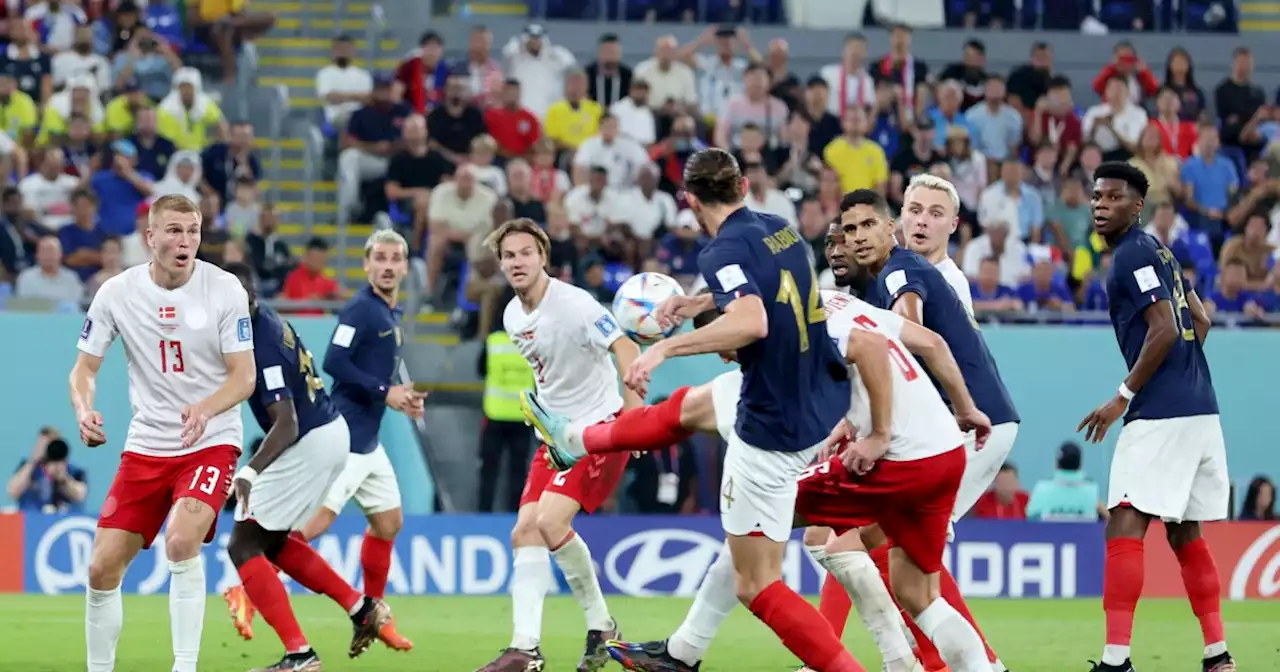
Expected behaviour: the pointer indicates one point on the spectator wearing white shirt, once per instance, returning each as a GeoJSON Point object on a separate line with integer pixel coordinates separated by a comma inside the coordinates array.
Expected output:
{"type": "Point", "coordinates": [80, 59]}
{"type": "Point", "coordinates": [1116, 123]}
{"type": "Point", "coordinates": [594, 206]}
{"type": "Point", "coordinates": [49, 280]}
{"type": "Point", "coordinates": [58, 22]}
{"type": "Point", "coordinates": [539, 65]}
{"type": "Point", "coordinates": [848, 80]}
{"type": "Point", "coordinates": [635, 119]}
{"type": "Point", "coordinates": [650, 210]}
{"type": "Point", "coordinates": [343, 85]}
{"type": "Point", "coordinates": [47, 192]}
{"type": "Point", "coordinates": [997, 242]}
{"type": "Point", "coordinates": [762, 196]}
{"type": "Point", "coordinates": [461, 215]}
{"type": "Point", "coordinates": [720, 76]}
{"type": "Point", "coordinates": [673, 85]}
{"type": "Point", "coordinates": [1013, 201]}
{"type": "Point", "coordinates": [617, 153]}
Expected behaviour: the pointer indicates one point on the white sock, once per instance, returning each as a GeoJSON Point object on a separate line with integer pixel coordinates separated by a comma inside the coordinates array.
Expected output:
{"type": "Point", "coordinates": [1215, 649]}
{"type": "Point", "coordinates": [574, 559]}
{"type": "Point", "coordinates": [818, 553]}
{"type": "Point", "coordinates": [998, 666]}
{"type": "Point", "coordinates": [1114, 654]}
{"type": "Point", "coordinates": [716, 599]}
{"type": "Point", "coordinates": [186, 611]}
{"type": "Point", "coordinates": [530, 582]}
{"type": "Point", "coordinates": [958, 643]}
{"type": "Point", "coordinates": [103, 618]}
{"type": "Point", "coordinates": [576, 445]}
{"type": "Point", "coordinates": [860, 578]}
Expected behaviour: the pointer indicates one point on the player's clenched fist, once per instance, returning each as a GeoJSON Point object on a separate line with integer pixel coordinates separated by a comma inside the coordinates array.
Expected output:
{"type": "Point", "coordinates": [91, 431]}
{"type": "Point", "coordinates": [676, 308]}
{"type": "Point", "coordinates": [405, 399]}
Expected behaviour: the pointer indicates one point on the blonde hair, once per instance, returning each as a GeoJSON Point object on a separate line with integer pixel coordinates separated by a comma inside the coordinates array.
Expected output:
{"type": "Point", "coordinates": [928, 181]}
{"type": "Point", "coordinates": [484, 141]}
{"type": "Point", "coordinates": [385, 237]}
{"type": "Point", "coordinates": [172, 203]}
{"type": "Point", "coordinates": [521, 225]}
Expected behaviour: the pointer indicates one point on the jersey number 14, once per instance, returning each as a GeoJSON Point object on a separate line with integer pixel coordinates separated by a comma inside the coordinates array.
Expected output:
{"type": "Point", "coordinates": [807, 312]}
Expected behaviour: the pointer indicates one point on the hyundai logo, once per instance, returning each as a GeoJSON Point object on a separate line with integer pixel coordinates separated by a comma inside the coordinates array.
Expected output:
{"type": "Point", "coordinates": [638, 564]}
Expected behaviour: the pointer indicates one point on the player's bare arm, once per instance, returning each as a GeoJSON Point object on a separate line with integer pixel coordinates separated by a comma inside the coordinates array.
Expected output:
{"type": "Point", "coordinates": [1199, 316]}
{"type": "Point", "coordinates": [869, 352]}
{"type": "Point", "coordinates": [930, 347]}
{"type": "Point", "coordinates": [1162, 334]}
{"type": "Point", "coordinates": [743, 322]}
{"type": "Point", "coordinates": [83, 384]}
{"type": "Point", "coordinates": [910, 306]}
{"type": "Point", "coordinates": [625, 353]}
{"type": "Point", "coordinates": [242, 377]}
{"type": "Point", "coordinates": [282, 435]}
{"type": "Point", "coordinates": [683, 307]}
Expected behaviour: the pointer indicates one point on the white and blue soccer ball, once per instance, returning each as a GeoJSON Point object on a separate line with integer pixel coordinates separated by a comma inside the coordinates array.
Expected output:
{"type": "Point", "coordinates": [636, 301]}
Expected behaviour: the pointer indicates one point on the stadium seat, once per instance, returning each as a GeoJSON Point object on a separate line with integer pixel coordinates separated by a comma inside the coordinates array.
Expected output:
{"type": "Point", "coordinates": [463, 304]}
{"type": "Point", "coordinates": [615, 274]}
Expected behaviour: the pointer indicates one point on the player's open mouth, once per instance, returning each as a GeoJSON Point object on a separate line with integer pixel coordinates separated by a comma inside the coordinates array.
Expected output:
{"type": "Point", "coordinates": [839, 270]}
{"type": "Point", "coordinates": [920, 238]}
{"type": "Point", "coordinates": [183, 258]}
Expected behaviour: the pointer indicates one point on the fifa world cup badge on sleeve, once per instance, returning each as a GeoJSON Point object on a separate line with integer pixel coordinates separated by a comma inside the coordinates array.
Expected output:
{"type": "Point", "coordinates": [87, 328]}
{"type": "Point", "coordinates": [244, 331]}
{"type": "Point", "coordinates": [606, 325]}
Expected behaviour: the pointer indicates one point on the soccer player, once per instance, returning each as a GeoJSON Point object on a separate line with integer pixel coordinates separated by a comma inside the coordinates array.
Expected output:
{"type": "Point", "coordinates": [571, 342]}
{"type": "Point", "coordinates": [188, 339]}
{"type": "Point", "coordinates": [911, 492]}
{"type": "Point", "coordinates": [1170, 461]}
{"type": "Point", "coordinates": [280, 489]}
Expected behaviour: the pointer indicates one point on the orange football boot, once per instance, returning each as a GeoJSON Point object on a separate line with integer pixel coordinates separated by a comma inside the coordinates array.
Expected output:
{"type": "Point", "coordinates": [394, 640]}
{"type": "Point", "coordinates": [241, 610]}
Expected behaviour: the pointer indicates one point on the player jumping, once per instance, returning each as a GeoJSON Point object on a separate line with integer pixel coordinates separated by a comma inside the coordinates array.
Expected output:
{"type": "Point", "coordinates": [362, 358]}
{"type": "Point", "coordinates": [568, 338]}
{"type": "Point", "coordinates": [280, 489]}
{"type": "Point", "coordinates": [919, 420]}
{"type": "Point", "coordinates": [1170, 461]}
{"type": "Point", "coordinates": [189, 342]}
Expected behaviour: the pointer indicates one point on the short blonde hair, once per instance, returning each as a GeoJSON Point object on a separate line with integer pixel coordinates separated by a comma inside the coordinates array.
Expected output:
{"type": "Point", "coordinates": [385, 237]}
{"type": "Point", "coordinates": [172, 203]}
{"type": "Point", "coordinates": [520, 225]}
{"type": "Point", "coordinates": [928, 181]}
{"type": "Point", "coordinates": [484, 141]}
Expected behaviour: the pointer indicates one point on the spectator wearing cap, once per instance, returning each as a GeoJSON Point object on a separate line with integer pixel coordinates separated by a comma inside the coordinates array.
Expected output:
{"type": "Point", "coordinates": [764, 196]}
{"type": "Point", "coordinates": [513, 127]}
{"type": "Point", "coordinates": [1054, 121]}
{"type": "Point", "coordinates": [46, 481]}
{"type": "Point", "coordinates": [342, 85]}
{"type": "Point", "coordinates": [422, 74]}
{"type": "Point", "coordinates": [1030, 82]}
{"type": "Point", "coordinates": [81, 60]}
{"type": "Point", "coordinates": [47, 192]}
{"type": "Point", "coordinates": [635, 119]}
{"type": "Point", "coordinates": [133, 246]}
{"type": "Point", "coordinates": [19, 111]}
{"type": "Point", "coordinates": [679, 248]}
{"type": "Point", "coordinates": [608, 78]}
{"type": "Point", "coordinates": [997, 241]}
{"type": "Point", "coordinates": [455, 123]}
{"type": "Point", "coordinates": [49, 280]}
{"type": "Point", "coordinates": [370, 140]}
{"type": "Point", "coordinates": [574, 118]}
{"type": "Point", "coordinates": [540, 66]}
{"type": "Point", "coordinates": [997, 126]}
{"type": "Point", "coordinates": [848, 82]}
{"type": "Point", "coordinates": [113, 32]}
{"type": "Point", "coordinates": [1013, 201]}
{"type": "Point", "coordinates": [720, 75]}
{"type": "Point", "coordinates": [154, 150]}
{"type": "Point", "coordinates": [673, 86]}
{"type": "Point", "coordinates": [28, 64]}
{"type": "Point", "coordinates": [1140, 82]}
{"type": "Point", "coordinates": [122, 111]}
{"type": "Point", "coordinates": [79, 99]}
{"type": "Point", "coordinates": [1115, 123]}
{"type": "Point", "coordinates": [120, 188]}
{"type": "Point", "coordinates": [859, 162]}
{"type": "Point", "coordinates": [593, 206]}
{"type": "Point", "coordinates": [309, 282]}
{"type": "Point", "coordinates": [971, 72]}
{"type": "Point", "coordinates": [461, 215]}
{"type": "Point", "coordinates": [948, 113]}
{"type": "Point", "coordinates": [484, 74]}
{"type": "Point", "coordinates": [56, 22]}
{"type": "Point", "coordinates": [1069, 495]}
{"type": "Point", "coordinates": [1006, 500]}
{"type": "Point", "coordinates": [188, 116]}
{"type": "Point", "coordinates": [619, 154]}
{"type": "Point", "coordinates": [148, 59]}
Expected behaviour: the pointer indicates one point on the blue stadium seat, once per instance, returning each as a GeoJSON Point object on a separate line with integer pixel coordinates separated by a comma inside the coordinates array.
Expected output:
{"type": "Point", "coordinates": [615, 274]}
{"type": "Point", "coordinates": [463, 303]}
{"type": "Point", "coordinates": [399, 215]}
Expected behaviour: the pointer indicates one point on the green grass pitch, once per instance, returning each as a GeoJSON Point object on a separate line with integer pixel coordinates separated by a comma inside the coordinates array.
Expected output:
{"type": "Point", "coordinates": [459, 634]}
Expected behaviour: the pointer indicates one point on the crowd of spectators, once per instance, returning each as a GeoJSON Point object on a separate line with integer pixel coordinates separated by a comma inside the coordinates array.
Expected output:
{"type": "Point", "coordinates": [594, 152]}
{"type": "Point", "coordinates": [101, 115]}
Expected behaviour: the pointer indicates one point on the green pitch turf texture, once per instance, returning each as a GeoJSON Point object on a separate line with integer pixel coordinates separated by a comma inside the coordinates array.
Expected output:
{"type": "Point", "coordinates": [459, 634]}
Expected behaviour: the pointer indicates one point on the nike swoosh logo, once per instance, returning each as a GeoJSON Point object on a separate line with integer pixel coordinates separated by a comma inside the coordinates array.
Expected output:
{"type": "Point", "coordinates": [384, 334]}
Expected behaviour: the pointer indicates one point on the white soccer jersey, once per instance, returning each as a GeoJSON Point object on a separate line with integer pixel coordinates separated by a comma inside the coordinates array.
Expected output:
{"type": "Point", "coordinates": [923, 426]}
{"type": "Point", "coordinates": [174, 341]}
{"type": "Point", "coordinates": [566, 340]}
{"type": "Point", "coordinates": [955, 277]}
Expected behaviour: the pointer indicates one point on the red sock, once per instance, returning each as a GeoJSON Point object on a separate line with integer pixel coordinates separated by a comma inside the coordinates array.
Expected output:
{"type": "Point", "coordinates": [1204, 588]}
{"type": "Point", "coordinates": [300, 561]}
{"type": "Point", "coordinates": [264, 589]}
{"type": "Point", "coordinates": [645, 428]}
{"type": "Point", "coordinates": [835, 604]}
{"type": "Point", "coordinates": [925, 650]}
{"type": "Point", "coordinates": [802, 630]}
{"type": "Point", "coordinates": [1122, 577]}
{"type": "Point", "coordinates": [375, 560]}
{"type": "Point", "coordinates": [951, 593]}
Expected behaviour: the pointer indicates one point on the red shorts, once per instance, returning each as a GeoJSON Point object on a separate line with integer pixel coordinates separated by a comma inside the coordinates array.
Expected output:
{"type": "Point", "coordinates": [588, 483]}
{"type": "Point", "coordinates": [146, 488]}
{"type": "Point", "coordinates": [911, 501]}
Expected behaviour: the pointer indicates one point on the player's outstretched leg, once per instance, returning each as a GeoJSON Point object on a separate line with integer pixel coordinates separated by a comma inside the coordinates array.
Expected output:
{"type": "Point", "coordinates": [113, 550]}
{"type": "Point", "coordinates": [1204, 591]}
{"type": "Point", "coordinates": [375, 563]}
{"type": "Point", "coordinates": [644, 428]}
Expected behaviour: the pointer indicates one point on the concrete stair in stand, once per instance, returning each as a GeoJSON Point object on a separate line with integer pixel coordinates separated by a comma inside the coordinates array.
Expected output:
{"type": "Point", "coordinates": [1259, 17]}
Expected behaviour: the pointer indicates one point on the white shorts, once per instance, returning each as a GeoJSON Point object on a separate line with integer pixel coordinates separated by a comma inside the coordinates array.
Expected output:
{"type": "Point", "coordinates": [370, 479]}
{"type": "Point", "coordinates": [726, 390]}
{"type": "Point", "coordinates": [1173, 468]}
{"type": "Point", "coordinates": [983, 465]}
{"type": "Point", "coordinates": [286, 494]}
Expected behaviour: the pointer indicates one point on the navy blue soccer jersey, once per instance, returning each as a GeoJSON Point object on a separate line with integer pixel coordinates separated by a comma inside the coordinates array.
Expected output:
{"type": "Point", "coordinates": [795, 386]}
{"type": "Point", "coordinates": [363, 356]}
{"type": "Point", "coordinates": [905, 271]}
{"type": "Point", "coordinates": [286, 371]}
{"type": "Point", "coordinates": [1144, 272]}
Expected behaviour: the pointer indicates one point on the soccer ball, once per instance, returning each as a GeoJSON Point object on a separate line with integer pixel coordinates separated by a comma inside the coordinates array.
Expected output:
{"type": "Point", "coordinates": [636, 301]}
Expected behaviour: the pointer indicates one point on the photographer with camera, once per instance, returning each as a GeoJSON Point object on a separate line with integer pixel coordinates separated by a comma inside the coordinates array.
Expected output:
{"type": "Point", "coordinates": [46, 481]}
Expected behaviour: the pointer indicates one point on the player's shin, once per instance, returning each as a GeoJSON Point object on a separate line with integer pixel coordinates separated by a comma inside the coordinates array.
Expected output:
{"type": "Point", "coordinates": [103, 619]}
{"type": "Point", "coordinates": [714, 602]}
{"type": "Point", "coordinates": [957, 641]}
{"type": "Point", "coordinates": [375, 562]}
{"type": "Point", "coordinates": [642, 429]}
{"type": "Point", "coordinates": [855, 571]}
{"type": "Point", "coordinates": [951, 593]}
{"type": "Point", "coordinates": [262, 584]}
{"type": "Point", "coordinates": [801, 629]}
{"type": "Point", "coordinates": [1122, 579]}
{"type": "Point", "coordinates": [308, 568]}
{"type": "Point", "coordinates": [186, 611]}
{"type": "Point", "coordinates": [530, 582]}
{"type": "Point", "coordinates": [1204, 591]}
{"type": "Point", "coordinates": [574, 559]}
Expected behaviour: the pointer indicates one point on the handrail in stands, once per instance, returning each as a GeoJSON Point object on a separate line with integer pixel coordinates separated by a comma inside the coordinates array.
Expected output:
{"type": "Point", "coordinates": [313, 161]}
{"type": "Point", "coordinates": [374, 31]}
{"type": "Point", "coordinates": [247, 79]}
{"type": "Point", "coordinates": [339, 11]}
{"type": "Point", "coordinates": [277, 110]}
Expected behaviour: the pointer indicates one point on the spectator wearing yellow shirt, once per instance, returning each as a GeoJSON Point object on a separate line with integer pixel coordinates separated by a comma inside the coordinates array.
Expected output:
{"type": "Point", "coordinates": [576, 117]}
{"type": "Point", "coordinates": [228, 24]}
{"type": "Point", "coordinates": [188, 116]}
{"type": "Point", "coordinates": [80, 98]}
{"type": "Point", "coordinates": [122, 110]}
{"type": "Point", "coordinates": [859, 162]}
{"type": "Point", "coordinates": [18, 114]}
